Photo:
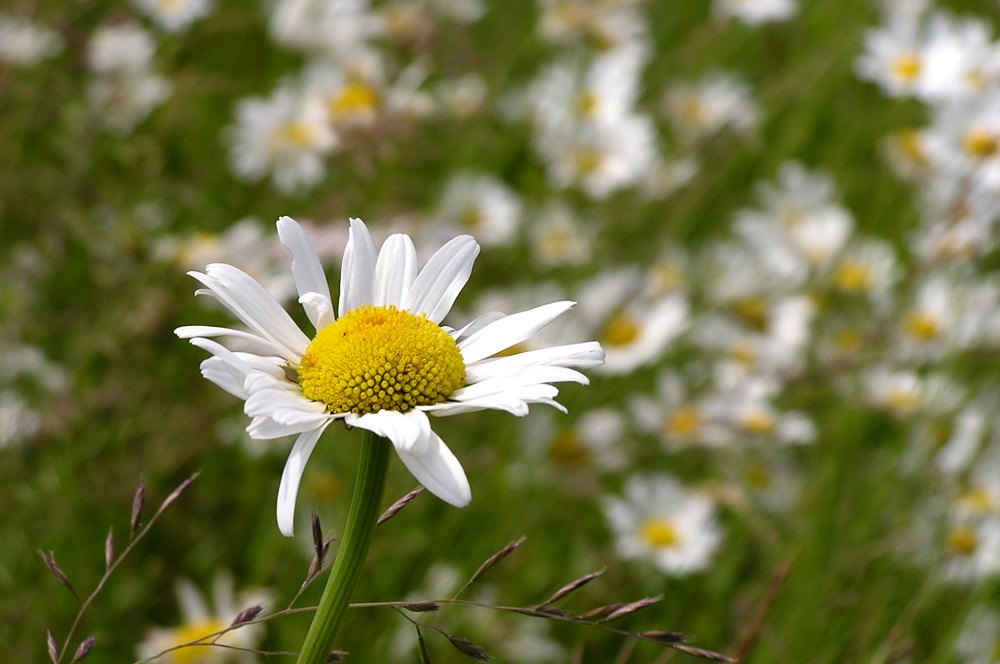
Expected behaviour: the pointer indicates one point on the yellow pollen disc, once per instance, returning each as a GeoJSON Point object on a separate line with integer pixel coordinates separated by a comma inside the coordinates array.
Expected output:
{"type": "Point", "coordinates": [962, 541]}
{"type": "Point", "coordinates": [567, 449]}
{"type": "Point", "coordinates": [902, 400]}
{"type": "Point", "coordinates": [910, 144]}
{"type": "Point", "coordinates": [692, 111]}
{"type": "Point", "coordinates": [297, 134]}
{"type": "Point", "coordinates": [588, 103]}
{"type": "Point", "coordinates": [352, 99]}
{"type": "Point", "coordinates": [848, 340]}
{"type": "Point", "coordinates": [978, 500]}
{"type": "Point", "coordinates": [921, 325]}
{"type": "Point", "coordinates": [981, 143]}
{"type": "Point", "coordinates": [852, 277]}
{"type": "Point", "coordinates": [380, 358]}
{"type": "Point", "coordinates": [586, 161]}
{"type": "Point", "coordinates": [472, 217]}
{"type": "Point", "coordinates": [192, 632]}
{"type": "Point", "coordinates": [621, 331]}
{"type": "Point", "coordinates": [659, 533]}
{"type": "Point", "coordinates": [683, 422]}
{"type": "Point", "coordinates": [754, 312]}
{"type": "Point", "coordinates": [757, 421]}
{"type": "Point", "coordinates": [907, 67]}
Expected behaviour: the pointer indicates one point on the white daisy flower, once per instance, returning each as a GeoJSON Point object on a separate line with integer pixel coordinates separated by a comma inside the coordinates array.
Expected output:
{"type": "Point", "coordinates": [664, 522]}
{"type": "Point", "coordinates": [385, 362]}
{"type": "Point", "coordinates": [201, 619]}
{"type": "Point", "coordinates": [174, 15]}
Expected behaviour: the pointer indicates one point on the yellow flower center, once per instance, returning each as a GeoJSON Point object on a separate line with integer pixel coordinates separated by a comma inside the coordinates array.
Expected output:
{"type": "Point", "coordinates": [621, 331]}
{"type": "Point", "coordinates": [910, 144]}
{"type": "Point", "coordinates": [568, 449]}
{"type": "Point", "coordinates": [683, 422]}
{"type": "Point", "coordinates": [380, 358]}
{"type": "Point", "coordinates": [754, 311]}
{"type": "Point", "coordinates": [906, 67]}
{"type": "Point", "coordinates": [981, 143]}
{"type": "Point", "coordinates": [193, 631]}
{"type": "Point", "coordinates": [659, 533]}
{"type": "Point", "coordinates": [962, 541]}
{"type": "Point", "coordinates": [921, 325]}
{"type": "Point", "coordinates": [757, 421]}
{"type": "Point", "coordinates": [296, 134]}
{"type": "Point", "coordinates": [978, 500]}
{"type": "Point", "coordinates": [852, 276]}
{"type": "Point", "coordinates": [353, 99]}
{"type": "Point", "coordinates": [588, 103]}
{"type": "Point", "coordinates": [586, 160]}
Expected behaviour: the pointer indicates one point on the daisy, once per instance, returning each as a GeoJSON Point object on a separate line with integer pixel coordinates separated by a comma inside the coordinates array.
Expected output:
{"type": "Point", "coordinates": [385, 363]}
{"type": "Point", "coordinates": [202, 619]}
{"type": "Point", "coordinates": [664, 522]}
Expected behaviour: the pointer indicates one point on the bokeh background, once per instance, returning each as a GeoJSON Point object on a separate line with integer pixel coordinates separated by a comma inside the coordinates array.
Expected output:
{"type": "Point", "coordinates": [779, 216]}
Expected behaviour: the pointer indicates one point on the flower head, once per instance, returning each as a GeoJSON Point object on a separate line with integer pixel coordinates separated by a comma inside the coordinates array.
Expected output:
{"type": "Point", "coordinates": [385, 363]}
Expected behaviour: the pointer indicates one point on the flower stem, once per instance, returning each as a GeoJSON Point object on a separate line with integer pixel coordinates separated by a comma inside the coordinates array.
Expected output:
{"type": "Point", "coordinates": [358, 532]}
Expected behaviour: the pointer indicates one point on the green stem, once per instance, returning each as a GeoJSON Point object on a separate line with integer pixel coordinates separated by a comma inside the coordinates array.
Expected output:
{"type": "Point", "coordinates": [351, 553]}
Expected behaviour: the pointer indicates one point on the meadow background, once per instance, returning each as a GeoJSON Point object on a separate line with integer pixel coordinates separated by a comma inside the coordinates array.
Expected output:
{"type": "Point", "coordinates": [855, 507]}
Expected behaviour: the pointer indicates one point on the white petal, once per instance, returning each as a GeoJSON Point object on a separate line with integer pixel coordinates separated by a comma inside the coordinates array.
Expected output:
{"type": "Point", "coordinates": [403, 429]}
{"type": "Point", "coordinates": [442, 279]}
{"type": "Point", "coordinates": [254, 305]}
{"type": "Point", "coordinates": [580, 356]}
{"type": "Point", "coordinates": [291, 476]}
{"type": "Point", "coordinates": [307, 271]}
{"type": "Point", "coordinates": [434, 466]}
{"type": "Point", "coordinates": [395, 271]}
{"type": "Point", "coordinates": [357, 273]}
{"type": "Point", "coordinates": [509, 330]}
{"type": "Point", "coordinates": [257, 342]}
{"type": "Point", "coordinates": [318, 308]}
{"type": "Point", "coordinates": [477, 324]}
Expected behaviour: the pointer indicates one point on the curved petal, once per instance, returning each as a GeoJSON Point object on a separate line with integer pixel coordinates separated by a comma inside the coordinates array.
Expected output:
{"type": "Point", "coordinates": [509, 330]}
{"type": "Point", "coordinates": [405, 430]}
{"type": "Point", "coordinates": [395, 270]}
{"type": "Point", "coordinates": [434, 466]}
{"type": "Point", "coordinates": [357, 272]}
{"type": "Point", "coordinates": [442, 279]}
{"type": "Point", "coordinates": [291, 476]}
{"type": "Point", "coordinates": [318, 308]}
{"type": "Point", "coordinates": [307, 271]}
{"type": "Point", "coordinates": [256, 307]}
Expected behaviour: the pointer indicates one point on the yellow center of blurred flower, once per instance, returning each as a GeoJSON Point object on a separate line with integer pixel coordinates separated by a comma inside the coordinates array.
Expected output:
{"type": "Point", "coordinates": [568, 449]}
{"type": "Point", "coordinates": [691, 111]}
{"type": "Point", "coordinates": [909, 143]}
{"type": "Point", "coordinates": [848, 340]}
{"type": "Point", "coordinates": [297, 134]}
{"type": "Point", "coordinates": [902, 399]}
{"type": "Point", "coordinates": [852, 277]}
{"type": "Point", "coordinates": [472, 217]}
{"type": "Point", "coordinates": [921, 325]}
{"type": "Point", "coordinates": [380, 358]}
{"type": "Point", "coordinates": [757, 421]}
{"type": "Point", "coordinates": [981, 143]}
{"type": "Point", "coordinates": [588, 103]}
{"type": "Point", "coordinates": [193, 631]}
{"type": "Point", "coordinates": [621, 331]}
{"type": "Point", "coordinates": [962, 541]}
{"type": "Point", "coordinates": [754, 312]}
{"type": "Point", "coordinates": [683, 422]}
{"type": "Point", "coordinates": [978, 499]}
{"type": "Point", "coordinates": [659, 533]}
{"type": "Point", "coordinates": [170, 6]}
{"type": "Point", "coordinates": [353, 99]}
{"type": "Point", "coordinates": [586, 160]}
{"type": "Point", "coordinates": [906, 67]}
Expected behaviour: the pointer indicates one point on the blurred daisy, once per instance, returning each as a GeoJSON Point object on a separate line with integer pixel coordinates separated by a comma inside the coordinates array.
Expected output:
{"type": "Point", "coordinates": [978, 642]}
{"type": "Point", "coordinates": [718, 102]}
{"type": "Point", "coordinates": [23, 42]}
{"type": "Point", "coordinates": [560, 237]}
{"type": "Point", "coordinates": [662, 521]}
{"type": "Point", "coordinates": [173, 15]}
{"type": "Point", "coordinates": [756, 12]}
{"type": "Point", "coordinates": [385, 363]}
{"type": "Point", "coordinates": [201, 619]}
{"type": "Point", "coordinates": [480, 204]}
{"type": "Point", "coordinates": [285, 136]}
